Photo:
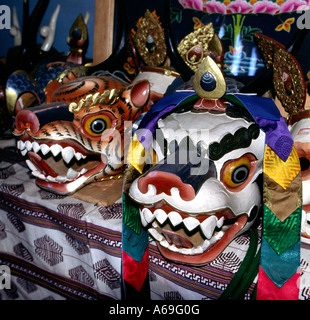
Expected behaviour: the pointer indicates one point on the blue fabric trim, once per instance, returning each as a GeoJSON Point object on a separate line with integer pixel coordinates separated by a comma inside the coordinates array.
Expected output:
{"type": "Point", "coordinates": [253, 104]}
{"type": "Point", "coordinates": [280, 268]}
{"type": "Point", "coordinates": [175, 99]}
{"type": "Point", "coordinates": [133, 244]}
{"type": "Point", "coordinates": [161, 107]}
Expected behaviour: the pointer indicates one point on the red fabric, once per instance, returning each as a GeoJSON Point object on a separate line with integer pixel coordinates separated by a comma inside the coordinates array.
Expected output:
{"type": "Point", "coordinates": [267, 290]}
{"type": "Point", "coordinates": [134, 272]}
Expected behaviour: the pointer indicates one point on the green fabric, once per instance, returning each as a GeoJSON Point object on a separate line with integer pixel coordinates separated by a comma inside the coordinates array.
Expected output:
{"type": "Point", "coordinates": [248, 279]}
{"type": "Point", "coordinates": [281, 235]}
{"type": "Point", "coordinates": [131, 215]}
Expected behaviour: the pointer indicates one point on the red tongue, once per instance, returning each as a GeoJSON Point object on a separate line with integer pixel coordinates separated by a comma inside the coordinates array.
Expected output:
{"type": "Point", "coordinates": [178, 240]}
{"type": "Point", "coordinates": [41, 164]}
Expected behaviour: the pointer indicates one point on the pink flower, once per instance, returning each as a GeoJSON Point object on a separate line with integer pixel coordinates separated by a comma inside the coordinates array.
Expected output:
{"type": "Point", "coordinates": [266, 6]}
{"type": "Point", "coordinates": [191, 4]}
{"type": "Point", "coordinates": [292, 5]}
{"type": "Point", "coordinates": [239, 6]}
{"type": "Point", "coordinates": [214, 6]}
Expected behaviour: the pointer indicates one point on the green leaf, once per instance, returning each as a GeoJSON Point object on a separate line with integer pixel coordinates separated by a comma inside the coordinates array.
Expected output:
{"type": "Point", "coordinates": [228, 32]}
{"type": "Point", "coordinates": [176, 15]}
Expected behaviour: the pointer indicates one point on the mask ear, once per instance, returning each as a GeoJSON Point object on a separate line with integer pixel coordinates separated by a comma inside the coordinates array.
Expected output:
{"type": "Point", "coordinates": [140, 93]}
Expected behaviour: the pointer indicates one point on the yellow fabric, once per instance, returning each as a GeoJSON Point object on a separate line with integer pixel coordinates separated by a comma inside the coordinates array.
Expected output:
{"type": "Point", "coordinates": [136, 154]}
{"type": "Point", "coordinates": [281, 172]}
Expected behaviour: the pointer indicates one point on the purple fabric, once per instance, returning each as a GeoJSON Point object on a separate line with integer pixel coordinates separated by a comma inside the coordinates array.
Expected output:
{"type": "Point", "coordinates": [145, 135]}
{"type": "Point", "coordinates": [267, 115]}
{"type": "Point", "coordinates": [264, 112]}
{"type": "Point", "coordinates": [278, 137]}
{"type": "Point", "coordinates": [147, 126]}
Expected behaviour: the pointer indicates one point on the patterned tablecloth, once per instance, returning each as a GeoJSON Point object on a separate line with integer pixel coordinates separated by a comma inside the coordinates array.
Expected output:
{"type": "Point", "coordinates": [60, 247]}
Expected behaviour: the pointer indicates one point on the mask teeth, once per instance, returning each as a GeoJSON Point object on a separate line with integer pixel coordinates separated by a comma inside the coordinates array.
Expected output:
{"type": "Point", "coordinates": [207, 227]}
{"type": "Point", "coordinates": [185, 251]}
{"type": "Point", "coordinates": [67, 153]}
{"type": "Point", "coordinates": [70, 176]}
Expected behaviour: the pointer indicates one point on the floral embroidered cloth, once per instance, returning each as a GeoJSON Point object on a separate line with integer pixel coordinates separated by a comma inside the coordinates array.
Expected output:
{"type": "Point", "coordinates": [244, 6]}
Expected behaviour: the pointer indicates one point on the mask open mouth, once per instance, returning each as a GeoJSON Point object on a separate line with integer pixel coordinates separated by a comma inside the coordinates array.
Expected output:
{"type": "Point", "coordinates": [60, 166]}
{"type": "Point", "coordinates": [191, 239]}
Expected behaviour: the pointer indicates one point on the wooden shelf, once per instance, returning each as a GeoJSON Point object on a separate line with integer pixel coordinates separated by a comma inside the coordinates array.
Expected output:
{"type": "Point", "coordinates": [104, 23]}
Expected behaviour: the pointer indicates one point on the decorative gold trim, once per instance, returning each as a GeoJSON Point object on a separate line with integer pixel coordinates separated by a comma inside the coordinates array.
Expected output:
{"type": "Point", "coordinates": [199, 44]}
{"type": "Point", "coordinates": [150, 29]}
{"type": "Point", "coordinates": [107, 97]}
{"type": "Point", "coordinates": [109, 178]}
{"type": "Point", "coordinates": [11, 98]}
{"type": "Point", "coordinates": [288, 81]}
{"type": "Point", "coordinates": [209, 65]}
{"type": "Point", "coordinates": [78, 72]}
{"type": "Point", "coordinates": [79, 23]}
{"type": "Point", "coordinates": [215, 45]}
{"type": "Point", "coordinates": [266, 48]}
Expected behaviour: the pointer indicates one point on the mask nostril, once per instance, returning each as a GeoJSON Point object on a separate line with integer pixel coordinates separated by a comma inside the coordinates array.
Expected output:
{"type": "Point", "coordinates": [304, 163]}
{"type": "Point", "coordinates": [26, 119]}
{"type": "Point", "coordinates": [164, 182]}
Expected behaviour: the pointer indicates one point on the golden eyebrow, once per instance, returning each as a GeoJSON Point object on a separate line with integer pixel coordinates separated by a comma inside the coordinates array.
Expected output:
{"type": "Point", "coordinates": [91, 100]}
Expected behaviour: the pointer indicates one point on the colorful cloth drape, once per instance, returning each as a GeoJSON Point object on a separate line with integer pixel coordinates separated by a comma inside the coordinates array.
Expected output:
{"type": "Point", "coordinates": [280, 243]}
{"type": "Point", "coordinates": [280, 248]}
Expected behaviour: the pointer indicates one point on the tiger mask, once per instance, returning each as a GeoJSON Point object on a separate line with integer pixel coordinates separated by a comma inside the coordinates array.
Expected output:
{"type": "Point", "coordinates": [78, 138]}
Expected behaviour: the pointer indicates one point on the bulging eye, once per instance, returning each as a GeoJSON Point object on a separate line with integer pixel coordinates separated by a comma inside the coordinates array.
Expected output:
{"type": "Point", "coordinates": [96, 125]}
{"type": "Point", "coordinates": [236, 173]}
{"type": "Point", "coordinates": [240, 174]}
